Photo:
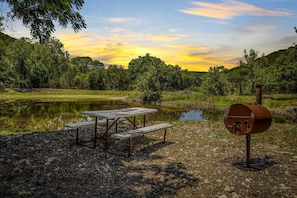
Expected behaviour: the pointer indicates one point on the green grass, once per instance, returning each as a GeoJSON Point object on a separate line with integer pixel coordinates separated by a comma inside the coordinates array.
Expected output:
{"type": "Point", "coordinates": [52, 95]}
{"type": "Point", "coordinates": [63, 95]}
{"type": "Point", "coordinates": [270, 101]}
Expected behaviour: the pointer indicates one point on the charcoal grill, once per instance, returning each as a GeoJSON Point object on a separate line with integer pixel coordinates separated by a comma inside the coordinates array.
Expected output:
{"type": "Point", "coordinates": [247, 119]}
{"type": "Point", "coordinates": [242, 119]}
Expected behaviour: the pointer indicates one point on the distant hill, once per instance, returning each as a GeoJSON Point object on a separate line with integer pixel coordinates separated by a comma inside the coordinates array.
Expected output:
{"type": "Point", "coordinates": [6, 39]}
{"type": "Point", "coordinates": [272, 57]}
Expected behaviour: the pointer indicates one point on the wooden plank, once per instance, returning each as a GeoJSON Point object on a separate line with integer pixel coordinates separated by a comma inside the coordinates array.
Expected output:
{"type": "Point", "coordinates": [83, 124]}
{"type": "Point", "coordinates": [88, 123]}
{"type": "Point", "coordinates": [120, 113]}
{"type": "Point", "coordinates": [140, 131]}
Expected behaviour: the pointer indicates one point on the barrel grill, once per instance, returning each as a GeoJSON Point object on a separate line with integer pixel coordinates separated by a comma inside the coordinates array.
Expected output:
{"type": "Point", "coordinates": [242, 119]}
{"type": "Point", "coordinates": [247, 119]}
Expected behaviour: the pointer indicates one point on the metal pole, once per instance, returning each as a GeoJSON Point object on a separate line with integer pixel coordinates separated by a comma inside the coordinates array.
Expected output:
{"type": "Point", "coordinates": [95, 135]}
{"type": "Point", "coordinates": [259, 94]}
{"type": "Point", "coordinates": [248, 148]}
{"type": "Point", "coordinates": [106, 134]}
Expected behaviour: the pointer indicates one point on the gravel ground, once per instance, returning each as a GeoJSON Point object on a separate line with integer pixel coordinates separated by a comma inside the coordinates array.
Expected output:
{"type": "Point", "coordinates": [200, 159]}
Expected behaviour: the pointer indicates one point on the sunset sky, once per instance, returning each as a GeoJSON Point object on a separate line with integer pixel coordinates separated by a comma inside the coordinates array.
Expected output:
{"type": "Point", "coordinates": [195, 35]}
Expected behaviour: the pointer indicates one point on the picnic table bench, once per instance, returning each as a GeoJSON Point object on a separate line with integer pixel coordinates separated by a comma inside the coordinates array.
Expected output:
{"type": "Point", "coordinates": [78, 125]}
{"type": "Point", "coordinates": [140, 132]}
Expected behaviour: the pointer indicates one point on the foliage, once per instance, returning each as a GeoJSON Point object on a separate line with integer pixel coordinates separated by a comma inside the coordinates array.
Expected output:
{"type": "Point", "coordinates": [40, 16]}
{"type": "Point", "coordinates": [276, 73]}
{"type": "Point", "coordinates": [213, 83]}
{"type": "Point", "coordinates": [35, 65]}
{"type": "Point", "coordinates": [6, 39]}
{"type": "Point", "coordinates": [26, 64]}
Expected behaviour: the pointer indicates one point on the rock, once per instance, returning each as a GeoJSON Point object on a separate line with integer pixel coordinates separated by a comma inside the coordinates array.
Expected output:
{"type": "Point", "coordinates": [223, 196]}
{"type": "Point", "coordinates": [49, 160]}
{"type": "Point", "coordinates": [206, 181]}
{"type": "Point", "coordinates": [234, 195]}
{"type": "Point", "coordinates": [228, 189]}
{"type": "Point", "coordinates": [284, 187]}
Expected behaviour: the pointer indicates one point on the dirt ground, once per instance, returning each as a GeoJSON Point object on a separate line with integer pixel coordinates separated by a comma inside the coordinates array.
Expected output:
{"type": "Point", "coordinates": [199, 159]}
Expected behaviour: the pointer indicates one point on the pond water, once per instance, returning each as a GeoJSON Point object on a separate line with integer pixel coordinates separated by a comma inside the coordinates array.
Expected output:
{"type": "Point", "coordinates": [33, 116]}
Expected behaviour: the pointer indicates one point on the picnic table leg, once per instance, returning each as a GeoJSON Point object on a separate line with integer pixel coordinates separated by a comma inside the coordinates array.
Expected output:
{"type": "Point", "coordinates": [134, 122]}
{"type": "Point", "coordinates": [95, 135]}
{"type": "Point", "coordinates": [144, 120]}
{"type": "Point", "coordinates": [108, 127]}
{"type": "Point", "coordinates": [106, 135]}
{"type": "Point", "coordinates": [76, 135]}
{"type": "Point", "coordinates": [130, 146]}
{"type": "Point", "coordinates": [164, 138]}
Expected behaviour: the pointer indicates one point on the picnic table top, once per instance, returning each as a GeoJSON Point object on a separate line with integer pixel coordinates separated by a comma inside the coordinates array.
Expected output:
{"type": "Point", "coordinates": [120, 113]}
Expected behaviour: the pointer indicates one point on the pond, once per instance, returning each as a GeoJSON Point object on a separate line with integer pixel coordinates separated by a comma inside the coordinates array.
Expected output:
{"type": "Point", "coordinates": [33, 116]}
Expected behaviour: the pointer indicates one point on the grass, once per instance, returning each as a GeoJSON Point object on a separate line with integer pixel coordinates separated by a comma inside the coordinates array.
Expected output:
{"type": "Point", "coordinates": [63, 95]}
{"type": "Point", "coordinates": [281, 135]}
{"type": "Point", "coordinates": [270, 101]}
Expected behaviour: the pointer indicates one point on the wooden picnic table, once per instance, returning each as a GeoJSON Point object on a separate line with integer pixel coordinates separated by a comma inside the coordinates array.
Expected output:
{"type": "Point", "coordinates": [115, 115]}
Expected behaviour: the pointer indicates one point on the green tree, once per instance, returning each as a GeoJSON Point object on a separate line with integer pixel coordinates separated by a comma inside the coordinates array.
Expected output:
{"type": "Point", "coordinates": [36, 65]}
{"type": "Point", "coordinates": [1, 23]}
{"type": "Point", "coordinates": [17, 54]}
{"type": "Point", "coordinates": [96, 79]}
{"type": "Point", "coordinates": [149, 85]}
{"type": "Point", "coordinates": [97, 64]}
{"type": "Point", "coordinates": [82, 62]}
{"type": "Point", "coordinates": [214, 82]}
{"type": "Point", "coordinates": [116, 78]}
{"type": "Point", "coordinates": [7, 74]}
{"type": "Point", "coordinates": [250, 65]}
{"type": "Point", "coordinates": [81, 81]}
{"type": "Point", "coordinates": [40, 15]}
{"type": "Point", "coordinates": [67, 77]}
{"type": "Point", "coordinates": [192, 80]}
{"type": "Point", "coordinates": [148, 74]}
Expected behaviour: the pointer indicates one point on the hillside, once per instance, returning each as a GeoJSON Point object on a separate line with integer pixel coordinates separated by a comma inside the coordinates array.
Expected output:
{"type": "Point", "coordinates": [6, 38]}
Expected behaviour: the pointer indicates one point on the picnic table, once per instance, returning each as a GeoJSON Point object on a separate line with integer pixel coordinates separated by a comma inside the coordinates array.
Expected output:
{"type": "Point", "coordinates": [111, 117]}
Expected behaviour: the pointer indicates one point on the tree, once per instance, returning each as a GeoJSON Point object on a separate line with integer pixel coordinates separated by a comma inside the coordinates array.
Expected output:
{"type": "Point", "coordinates": [96, 79]}
{"type": "Point", "coordinates": [18, 54]}
{"type": "Point", "coordinates": [148, 75]}
{"type": "Point", "coordinates": [40, 15]}
{"type": "Point", "coordinates": [82, 63]}
{"type": "Point", "coordinates": [97, 64]}
{"type": "Point", "coordinates": [149, 85]}
{"type": "Point", "coordinates": [213, 82]}
{"type": "Point", "coordinates": [250, 64]}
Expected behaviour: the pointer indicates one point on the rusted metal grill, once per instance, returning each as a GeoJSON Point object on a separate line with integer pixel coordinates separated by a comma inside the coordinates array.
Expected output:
{"type": "Point", "coordinates": [243, 119]}
{"type": "Point", "coordinates": [246, 119]}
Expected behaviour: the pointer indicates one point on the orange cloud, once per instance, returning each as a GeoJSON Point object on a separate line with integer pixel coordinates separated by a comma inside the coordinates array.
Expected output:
{"type": "Point", "coordinates": [165, 37]}
{"type": "Point", "coordinates": [121, 49]}
{"type": "Point", "coordinates": [229, 9]}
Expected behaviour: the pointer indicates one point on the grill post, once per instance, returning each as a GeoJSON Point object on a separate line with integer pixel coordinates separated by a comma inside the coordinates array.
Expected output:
{"type": "Point", "coordinates": [248, 150]}
{"type": "Point", "coordinates": [259, 94]}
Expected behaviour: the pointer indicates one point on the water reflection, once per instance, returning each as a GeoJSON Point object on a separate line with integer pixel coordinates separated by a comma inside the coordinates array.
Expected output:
{"type": "Point", "coordinates": [191, 115]}
{"type": "Point", "coordinates": [50, 116]}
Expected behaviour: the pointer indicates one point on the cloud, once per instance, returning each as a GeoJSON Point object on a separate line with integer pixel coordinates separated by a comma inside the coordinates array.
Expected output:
{"type": "Point", "coordinates": [121, 49]}
{"type": "Point", "coordinates": [172, 30]}
{"type": "Point", "coordinates": [260, 29]}
{"type": "Point", "coordinates": [229, 9]}
{"type": "Point", "coordinates": [120, 20]}
{"type": "Point", "coordinates": [114, 30]}
{"type": "Point", "coordinates": [165, 37]}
